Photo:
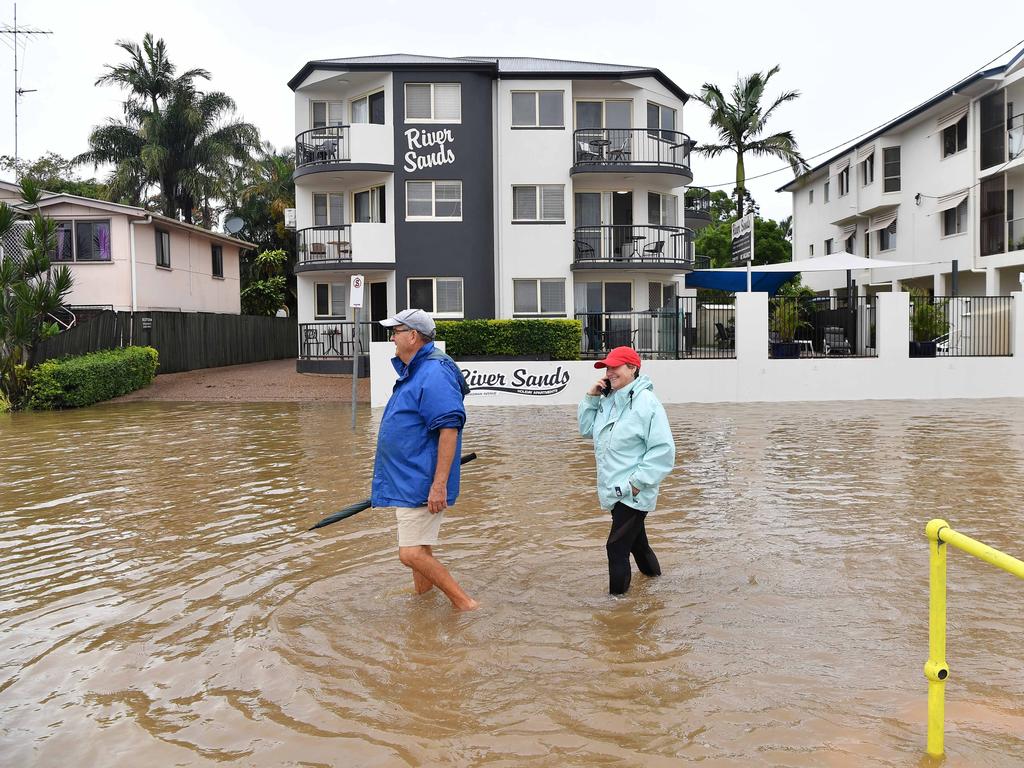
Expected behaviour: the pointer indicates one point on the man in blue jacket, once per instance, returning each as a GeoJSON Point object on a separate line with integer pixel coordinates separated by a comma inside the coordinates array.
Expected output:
{"type": "Point", "coordinates": [416, 469]}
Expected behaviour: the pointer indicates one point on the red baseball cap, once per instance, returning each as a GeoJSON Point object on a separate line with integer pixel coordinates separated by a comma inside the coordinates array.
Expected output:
{"type": "Point", "coordinates": [619, 356]}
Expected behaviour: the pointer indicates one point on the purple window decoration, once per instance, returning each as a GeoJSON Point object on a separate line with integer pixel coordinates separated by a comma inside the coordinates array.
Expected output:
{"type": "Point", "coordinates": [92, 240]}
{"type": "Point", "coordinates": [64, 250]}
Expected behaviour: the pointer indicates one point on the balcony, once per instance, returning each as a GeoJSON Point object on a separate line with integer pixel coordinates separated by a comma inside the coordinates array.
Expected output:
{"type": "Point", "coordinates": [345, 246]}
{"type": "Point", "coordinates": [361, 147]}
{"type": "Point", "coordinates": [623, 246]}
{"type": "Point", "coordinates": [697, 204]}
{"type": "Point", "coordinates": [632, 150]}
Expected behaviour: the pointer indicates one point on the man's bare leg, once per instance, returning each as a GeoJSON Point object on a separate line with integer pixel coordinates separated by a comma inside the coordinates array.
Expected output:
{"type": "Point", "coordinates": [423, 563]}
{"type": "Point", "coordinates": [421, 582]}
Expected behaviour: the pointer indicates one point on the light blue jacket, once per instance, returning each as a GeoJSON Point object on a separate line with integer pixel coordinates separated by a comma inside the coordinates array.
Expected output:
{"type": "Point", "coordinates": [632, 442]}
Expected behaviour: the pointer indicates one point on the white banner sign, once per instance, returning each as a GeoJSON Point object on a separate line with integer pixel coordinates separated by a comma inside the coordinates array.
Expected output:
{"type": "Point", "coordinates": [356, 293]}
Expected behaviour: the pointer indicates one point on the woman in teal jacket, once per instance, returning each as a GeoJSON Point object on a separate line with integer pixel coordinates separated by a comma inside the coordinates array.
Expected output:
{"type": "Point", "coordinates": [635, 451]}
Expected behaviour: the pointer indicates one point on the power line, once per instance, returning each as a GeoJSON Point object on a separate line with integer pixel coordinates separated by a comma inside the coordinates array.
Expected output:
{"type": "Point", "coordinates": [865, 133]}
{"type": "Point", "coordinates": [13, 31]}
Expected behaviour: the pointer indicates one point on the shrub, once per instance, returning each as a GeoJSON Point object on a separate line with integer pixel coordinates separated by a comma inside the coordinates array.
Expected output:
{"type": "Point", "coordinates": [927, 317]}
{"type": "Point", "coordinates": [73, 382]}
{"type": "Point", "coordinates": [5, 404]}
{"type": "Point", "coordinates": [520, 338]}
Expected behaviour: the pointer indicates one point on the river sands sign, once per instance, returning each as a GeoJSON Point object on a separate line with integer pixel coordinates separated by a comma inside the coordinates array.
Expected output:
{"type": "Point", "coordinates": [428, 149]}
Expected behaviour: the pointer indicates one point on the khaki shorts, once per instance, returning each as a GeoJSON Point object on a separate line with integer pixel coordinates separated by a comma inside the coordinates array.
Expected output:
{"type": "Point", "coordinates": [417, 526]}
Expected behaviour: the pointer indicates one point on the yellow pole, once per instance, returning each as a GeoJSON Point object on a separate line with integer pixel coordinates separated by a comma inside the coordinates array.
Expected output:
{"type": "Point", "coordinates": [935, 668]}
{"type": "Point", "coordinates": [982, 551]}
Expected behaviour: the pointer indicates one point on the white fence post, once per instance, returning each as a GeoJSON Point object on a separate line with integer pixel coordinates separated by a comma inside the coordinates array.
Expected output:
{"type": "Point", "coordinates": [892, 325]}
{"type": "Point", "coordinates": [752, 328]}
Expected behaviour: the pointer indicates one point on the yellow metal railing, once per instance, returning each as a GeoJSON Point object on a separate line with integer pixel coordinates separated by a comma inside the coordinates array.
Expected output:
{"type": "Point", "coordinates": [936, 669]}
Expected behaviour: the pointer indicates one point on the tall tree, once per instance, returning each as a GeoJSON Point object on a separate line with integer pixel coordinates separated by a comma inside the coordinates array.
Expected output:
{"type": "Point", "coordinates": [741, 119]}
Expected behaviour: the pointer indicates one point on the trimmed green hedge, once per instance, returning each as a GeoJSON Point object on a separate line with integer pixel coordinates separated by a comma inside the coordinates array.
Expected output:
{"type": "Point", "coordinates": [73, 382]}
{"type": "Point", "coordinates": [558, 338]}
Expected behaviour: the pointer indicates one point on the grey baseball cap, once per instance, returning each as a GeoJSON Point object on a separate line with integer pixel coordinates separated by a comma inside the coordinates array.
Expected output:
{"type": "Point", "coordinates": [416, 319]}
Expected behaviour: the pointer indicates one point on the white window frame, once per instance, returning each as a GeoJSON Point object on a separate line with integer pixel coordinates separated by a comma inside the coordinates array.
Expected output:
{"type": "Point", "coordinates": [433, 312]}
{"type": "Point", "coordinates": [892, 238]}
{"type": "Point", "coordinates": [844, 181]}
{"type": "Point", "coordinates": [828, 246]}
{"type": "Point", "coordinates": [536, 109]}
{"type": "Point", "coordinates": [538, 197]}
{"type": "Point", "coordinates": [604, 113]}
{"type": "Point", "coordinates": [657, 132]}
{"type": "Point", "coordinates": [662, 286]}
{"type": "Point", "coordinates": [167, 251]}
{"type": "Point", "coordinates": [339, 105]}
{"type": "Point", "coordinates": [955, 128]}
{"type": "Point", "coordinates": [376, 210]}
{"type": "Point", "coordinates": [827, 191]}
{"type": "Point", "coordinates": [850, 245]}
{"type": "Point", "coordinates": [433, 199]}
{"type": "Point", "coordinates": [867, 172]}
{"type": "Point", "coordinates": [330, 301]}
{"type": "Point", "coordinates": [433, 106]}
{"type": "Point", "coordinates": [811, 250]}
{"type": "Point", "coordinates": [537, 281]}
{"type": "Point", "coordinates": [366, 97]}
{"type": "Point", "coordinates": [810, 197]}
{"type": "Point", "coordinates": [898, 176]}
{"type": "Point", "coordinates": [328, 196]}
{"type": "Point", "coordinates": [960, 227]}
{"type": "Point", "coordinates": [666, 202]}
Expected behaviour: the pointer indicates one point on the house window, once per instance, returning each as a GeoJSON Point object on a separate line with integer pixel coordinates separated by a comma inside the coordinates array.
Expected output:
{"type": "Point", "coordinates": [217, 260]}
{"type": "Point", "coordinates": [827, 187]}
{"type": "Point", "coordinates": [604, 114]}
{"type": "Point", "coordinates": [660, 294]}
{"type": "Point", "coordinates": [851, 244]}
{"type": "Point", "coordinates": [328, 209]}
{"type": "Point", "coordinates": [163, 248]}
{"type": "Point", "coordinates": [429, 200]}
{"type": "Point", "coordinates": [327, 113]}
{"type": "Point", "coordinates": [538, 109]}
{"type": "Point", "coordinates": [433, 103]}
{"type": "Point", "coordinates": [539, 297]}
{"type": "Point", "coordinates": [891, 169]}
{"type": "Point", "coordinates": [368, 206]}
{"type": "Point", "coordinates": [844, 181]}
{"type": "Point", "coordinates": [663, 118]}
{"type": "Point", "coordinates": [954, 220]}
{"type": "Point", "coordinates": [332, 300]}
{"type": "Point", "coordinates": [867, 170]}
{"type": "Point", "coordinates": [887, 238]}
{"type": "Point", "coordinates": [810, 250]}
{"type": "Point", "coordinates": [810, 197]}
{"type": "Point", "coordinates": [662, 210]}
{"type": "Point", "coordinates": [828, 246]}
{"type": "Point", "coordinates": [954, 138]}
{"type": "Point", "coordinates": [369, 109]}
{"type": "Point", "coordinates": [543, 202]}
{"type": "Point", "coordinates": [82, 241]}
{"type": "Point", "coordinates": [867, 243]}
{"type": "Point", "coordinates": [440, 296]}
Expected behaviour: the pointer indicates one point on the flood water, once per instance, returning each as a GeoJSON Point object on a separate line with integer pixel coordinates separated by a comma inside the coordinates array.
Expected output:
{"type": "Point", "coordinates": [162, 604]}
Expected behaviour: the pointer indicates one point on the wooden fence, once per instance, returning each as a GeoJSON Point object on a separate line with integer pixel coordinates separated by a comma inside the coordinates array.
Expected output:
{"type": "Point", "coordinates": [185, 340]}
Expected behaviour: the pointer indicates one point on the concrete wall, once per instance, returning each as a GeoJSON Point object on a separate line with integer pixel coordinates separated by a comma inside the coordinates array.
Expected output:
{"type": "Point", "coordinates": [752, 376]}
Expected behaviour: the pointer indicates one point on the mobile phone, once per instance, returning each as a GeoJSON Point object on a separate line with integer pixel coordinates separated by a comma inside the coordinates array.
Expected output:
{"type": "Point", "coordinates": [606, 388]}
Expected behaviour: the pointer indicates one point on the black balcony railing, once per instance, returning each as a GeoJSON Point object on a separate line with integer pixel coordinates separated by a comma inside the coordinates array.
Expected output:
{"type": "Point", "coordinates": [960, 326]}
{"type": "Point", "coordinates": [324, 245]}
{"type": "Point", "coordinates": [329, 144]}
{"type": "Point", "coordinates": [625, 243]}
{"type": "Point", "coordinates": [631, 146]}
{"type": "Point", "coordinates": [821, 327]}
{"type": "Point", "coordinates": [337, 340]}
{"type": "Point", "coordinates": [697, 202]}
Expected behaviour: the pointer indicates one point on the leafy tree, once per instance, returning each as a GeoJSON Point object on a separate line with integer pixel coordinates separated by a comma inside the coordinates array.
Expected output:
{"type": "Point", "coordinates": [30, 292]}
{"type": "Point", "coordinates": [265, 294]}
{"type": "Point", "coordinates": [771, 245]}
{"type": "Point", "coordinates": [54, 173]}
{"type": "Point", "coordinates": [740, 120]}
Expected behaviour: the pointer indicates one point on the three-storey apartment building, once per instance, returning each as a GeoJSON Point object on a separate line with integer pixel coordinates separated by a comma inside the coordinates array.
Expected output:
{"type": "Point", "coordinates": [941, 184]}
{"type": "Point", "coordinates": [486, 187]}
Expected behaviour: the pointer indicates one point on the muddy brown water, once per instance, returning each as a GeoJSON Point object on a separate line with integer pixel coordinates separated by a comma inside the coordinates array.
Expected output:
{"type": "Point", "coordinates": [161, 604]}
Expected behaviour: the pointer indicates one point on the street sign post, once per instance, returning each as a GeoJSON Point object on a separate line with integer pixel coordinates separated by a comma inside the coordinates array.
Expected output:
{"type": "Point", "coordinates": [355, 300]}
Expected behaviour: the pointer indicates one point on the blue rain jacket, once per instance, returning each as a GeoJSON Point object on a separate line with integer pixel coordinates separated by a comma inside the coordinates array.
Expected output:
{"type": "Point", "coordinates": [632, 442]}
{"type": "Point", "coordinates": [427, 398]}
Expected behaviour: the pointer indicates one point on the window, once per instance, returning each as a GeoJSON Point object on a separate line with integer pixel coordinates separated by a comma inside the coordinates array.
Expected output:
{"type": "Point", "coordinates": [328, 209]}
{"type": "Point", "coordinates": [867, 170]}
{"type": "Point", "coordinates": [810, 250]}
{"type": "Point", "coordinates": [82, 241]}
{"type": "Point", "coordinates": [604, 114]}
{"type": "Point", "coordinates": [163, 248]}
{"type": "Point", "coordinates": [954, 220]}
{"type": "Point", "coordinates": [828, 246]}
{"type": "Point", "coordinates": [332, 300]}
{"type": "Point", "coordinates": [368, 206]}
{"type": "Point", "coordinates": [425, 200]}
{"type": "Point", "coordinates": [663, 118]}
{"type": "Point", "coordinates": [851, 244]}
{"type": "Point", "coordinates": [810, 197]}
{"type": "Point", "coordinates": [891, 169]}
{"type": "Point", "coordinates": [440, 296]}
{"type": "Point", "coordinates": [954, 138]}
{"type": "Point", "coordinates": [844, 181]}
{"type": "Point", "coordinates": [660, 295]}
{"type": "Point", "coordinates": [662, 209]}
{"type": "Point", "coordinates": [537, 109]}
{"type": "Point", "coordinates": [433, 102]}
{"type": "Point", "coordinates": [369, 109]}
{"type": "Point", "coordinates": [327, 113]}
{"type": "Point", "coordinates": [826, 191]}
{"type": "Point", "coordinates": [544, 202]}
{"type": "Point", "coordinates": [217, 260]}
{"type": "Point", "coordinates": [887, 238]}
{"type": "Point", "coordinates": [867, 243]}
{"type": "Point", "coordinates": [538, 297]}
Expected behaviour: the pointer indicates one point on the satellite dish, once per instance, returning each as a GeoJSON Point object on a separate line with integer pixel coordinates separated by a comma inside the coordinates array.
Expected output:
{"type": "Point", "coordinates": [234, 224]}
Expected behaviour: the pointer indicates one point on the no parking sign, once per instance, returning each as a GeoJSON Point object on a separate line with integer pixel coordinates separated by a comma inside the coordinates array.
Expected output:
{"type": "Point", "coordinates": [356, 294]}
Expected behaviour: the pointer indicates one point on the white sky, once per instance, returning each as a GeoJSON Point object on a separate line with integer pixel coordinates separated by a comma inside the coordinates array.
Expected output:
{"type": "Point", "coordinates": [857, 64]}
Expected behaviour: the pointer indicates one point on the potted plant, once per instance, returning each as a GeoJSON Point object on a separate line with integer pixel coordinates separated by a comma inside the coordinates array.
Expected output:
{"type": "Point", "coordinates": [785, 323]}
{"type": "Point", "coordinates": [927, 324]}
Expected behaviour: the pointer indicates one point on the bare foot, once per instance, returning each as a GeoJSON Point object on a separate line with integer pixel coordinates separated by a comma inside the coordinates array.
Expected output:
{"type": "Point", "coordinates": [470, 605]}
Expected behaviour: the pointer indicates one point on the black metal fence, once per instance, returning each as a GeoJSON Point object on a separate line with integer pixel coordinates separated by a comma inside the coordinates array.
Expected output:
{"type": "Point", "coordinates": [336, 340]}
{"type": "Point", "coordinates": [185, 341]}
{"type": "Point", "coordinates": [317, 245]}
{"type": "Point", "coordinates": [632, 146]}
{"type": "Point", "coordinates": [329, 144]}
{"type": "Point", "coordinates": [624, 243]}
{"type": "Point", "coordinates": [961, 326]}
{"type": "Point", "coordinates": [821, 327]}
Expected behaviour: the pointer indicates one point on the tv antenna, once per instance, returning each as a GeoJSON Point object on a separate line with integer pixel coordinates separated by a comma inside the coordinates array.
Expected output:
{"type": "Point", "coordinates": [13, 32]}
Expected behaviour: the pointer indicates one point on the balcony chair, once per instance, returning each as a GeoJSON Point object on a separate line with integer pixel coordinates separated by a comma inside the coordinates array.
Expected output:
{"type": "Point", "coordinates": [311, 341]}
{"type": "Point", "coordinates": [723, 337]}
{"type": "Point", "coordinates": [584, 251]}
{"type": "Point", "coordinates": [835, 341]}
{"type": "Point", "coordinates": [621, 153]}
{"type": "Point", "coordinates": [595, 338]}
{"type": "Point", "coordinates": [318, 251]}
{"type": "Point", "coordinates": [326, 150]}
{"type": "Point", "coordinates": [584, 153]}
{"type": "Point", "coordinates": [654, 249]}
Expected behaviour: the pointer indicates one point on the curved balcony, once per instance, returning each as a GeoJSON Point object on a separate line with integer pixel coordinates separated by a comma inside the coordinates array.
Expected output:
{"type": "Point", "coordinates": [697, 204]}
{"type": "Point", "coordinates": [362, 147]}
{"type": "Point", "coordinates": [632, 150]}
{"type": "Point", "coordinates": [345, 246]}
{"type": "Point", "coordinates": [624, 246]}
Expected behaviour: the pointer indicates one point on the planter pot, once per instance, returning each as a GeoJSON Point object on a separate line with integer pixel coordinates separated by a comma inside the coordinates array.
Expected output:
{"type": "Point", "coordinates": [785, 349]}
{"type": "Point", "coordinates": [922, 349]}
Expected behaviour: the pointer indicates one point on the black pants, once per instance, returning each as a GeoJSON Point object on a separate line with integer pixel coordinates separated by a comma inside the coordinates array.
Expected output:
{"type": "Point", "coordinates": [628, 537]}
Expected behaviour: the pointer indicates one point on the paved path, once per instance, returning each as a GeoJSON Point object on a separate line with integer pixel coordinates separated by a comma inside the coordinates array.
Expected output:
{"type": "Point", "coordinates": [272, 381]}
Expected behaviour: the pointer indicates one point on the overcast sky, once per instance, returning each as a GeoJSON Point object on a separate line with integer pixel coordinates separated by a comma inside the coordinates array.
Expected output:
{"type": "Point", "coordinates": [857, 65]}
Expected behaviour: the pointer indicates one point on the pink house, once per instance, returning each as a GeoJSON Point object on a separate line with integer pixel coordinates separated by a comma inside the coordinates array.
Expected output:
{"type": "Point", "coordinates": [130, 259]}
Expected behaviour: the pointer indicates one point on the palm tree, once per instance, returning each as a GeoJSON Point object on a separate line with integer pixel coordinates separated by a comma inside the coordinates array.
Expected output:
{"type": "Point", "coordinates": [148, 75]}
{"type": "Point", "coordinates": [741, 120]}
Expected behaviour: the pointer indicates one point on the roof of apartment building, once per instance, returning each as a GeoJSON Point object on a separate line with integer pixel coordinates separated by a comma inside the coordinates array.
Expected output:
{"type": "Point", "coordinates": [956, 90]}
{"type": "Point", "coordinates": [512, 66]}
